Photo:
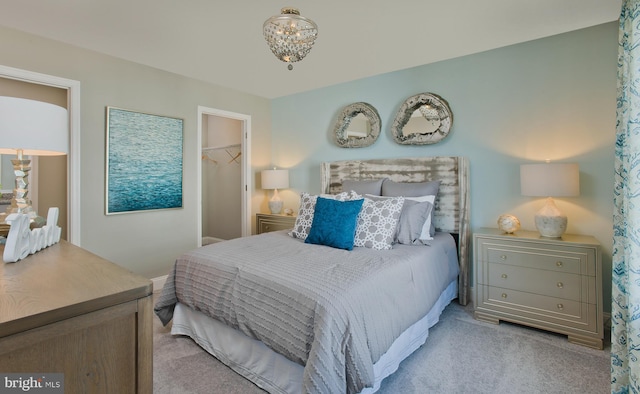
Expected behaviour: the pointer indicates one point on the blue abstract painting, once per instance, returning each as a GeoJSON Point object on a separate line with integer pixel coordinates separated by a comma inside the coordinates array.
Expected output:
{"type": "Point", "coordinates": [144, 161]}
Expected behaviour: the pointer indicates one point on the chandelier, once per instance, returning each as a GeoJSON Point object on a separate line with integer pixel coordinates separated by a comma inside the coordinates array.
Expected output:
{"type": "Point", "coordinates": [289, 35]}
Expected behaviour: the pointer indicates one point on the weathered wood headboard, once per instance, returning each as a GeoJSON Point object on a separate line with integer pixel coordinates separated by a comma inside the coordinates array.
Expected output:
{"type": "Point", "coordinates": [451, 212]}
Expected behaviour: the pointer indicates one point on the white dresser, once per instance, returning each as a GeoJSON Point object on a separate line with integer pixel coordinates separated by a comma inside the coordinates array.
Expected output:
{"type": "Point", "coordinates": [551, 284]}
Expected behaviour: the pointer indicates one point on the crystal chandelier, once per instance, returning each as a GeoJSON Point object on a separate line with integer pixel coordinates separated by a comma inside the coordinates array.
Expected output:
{"type": "Point", "coordinates": [289, 35]}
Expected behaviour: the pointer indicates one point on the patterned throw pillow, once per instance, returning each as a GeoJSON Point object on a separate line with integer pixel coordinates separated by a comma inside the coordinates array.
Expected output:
{"type": "Point", "coordinates": [304, 220]}
{"type": "Point", "coordinates": [377, 223]}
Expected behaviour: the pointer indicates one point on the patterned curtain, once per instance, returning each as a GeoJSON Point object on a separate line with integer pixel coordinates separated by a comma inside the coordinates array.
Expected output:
{"type": "Point", "coordinates": [625, 308]}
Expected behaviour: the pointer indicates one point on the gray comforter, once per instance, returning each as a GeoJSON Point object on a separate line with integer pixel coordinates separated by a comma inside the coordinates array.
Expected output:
{"type": "Point", "coordinates": [333, 311]}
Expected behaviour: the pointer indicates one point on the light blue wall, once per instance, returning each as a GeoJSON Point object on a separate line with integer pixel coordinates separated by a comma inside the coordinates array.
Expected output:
{"type": "Point", "coordinates": [552, 98]}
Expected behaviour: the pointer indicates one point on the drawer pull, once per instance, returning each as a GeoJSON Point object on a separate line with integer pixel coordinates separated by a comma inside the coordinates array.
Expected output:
{"type": "Point", "coordinates": [267, 227]}
{"type": "Point", "coordinates": [504, 276]}
{"type": "Point", "coordinates": [504, 295]}
{"type": "Point", "coordinates": [560, 306]}
{"type": "Point", "coordinates": [503, 257]}
{"type": "Point", "coordinates": [560, 285]}
{"type": "Point", "coordinates": [559, 263]}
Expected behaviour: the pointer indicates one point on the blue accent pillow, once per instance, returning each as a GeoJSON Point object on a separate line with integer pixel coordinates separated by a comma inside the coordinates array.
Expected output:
{"type": "Point", "coordinates": [334, 223]}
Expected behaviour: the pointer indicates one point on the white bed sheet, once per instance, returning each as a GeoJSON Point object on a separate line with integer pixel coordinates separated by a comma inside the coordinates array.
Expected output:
{"type": "Point", "coordinates": [277, 374]}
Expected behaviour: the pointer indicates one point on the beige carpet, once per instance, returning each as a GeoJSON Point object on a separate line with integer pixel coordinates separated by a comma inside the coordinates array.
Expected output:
{"type": "Point", "coordinates": [461, 355]}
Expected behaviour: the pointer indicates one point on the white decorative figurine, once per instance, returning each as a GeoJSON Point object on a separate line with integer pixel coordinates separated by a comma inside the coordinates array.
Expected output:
{"type": "Point", "coordinates": [22, 241]}
{"type": "Point", "coordinates": [508, 223]}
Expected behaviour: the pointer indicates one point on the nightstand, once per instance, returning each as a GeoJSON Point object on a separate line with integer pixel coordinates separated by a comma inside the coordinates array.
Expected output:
{"type": "Point", "coordinates": [266, 222]}
{"type": "Point", "coordinates": [547, 283]}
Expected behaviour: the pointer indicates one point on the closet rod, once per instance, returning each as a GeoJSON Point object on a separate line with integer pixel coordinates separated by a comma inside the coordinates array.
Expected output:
{"type": "Point", "coordinates": [220, 147]}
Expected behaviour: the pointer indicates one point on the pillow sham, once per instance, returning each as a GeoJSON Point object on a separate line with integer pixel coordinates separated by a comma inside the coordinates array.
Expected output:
{"type": "Point", "coordinates": [373, 187]}
{"type": "Point", "coordinates": [334, 223]}
{"type": "Point", "coordinates": [409, 189]}
{"type": "Point", "coordinates": [427, 230]}
{"type": "Point", "coordinates": [304, 220]}
{"type": "Point", "coordinates": [412, 219]}
{"type": "Point", "coordinates": [377, 223]}
{"type": "Point", "coordinates": [412, 189]}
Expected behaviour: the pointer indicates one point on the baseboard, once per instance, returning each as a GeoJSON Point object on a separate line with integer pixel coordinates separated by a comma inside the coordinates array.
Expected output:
{"type": "Point", "coordinates": [158, 283]}
{"type": "Point", "coordinates": [210, 240]}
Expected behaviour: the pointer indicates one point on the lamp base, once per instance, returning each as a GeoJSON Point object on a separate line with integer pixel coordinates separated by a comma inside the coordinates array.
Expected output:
{"type": "Point", "coordinates": [550, 221]}
{"type": "Point", "coordinates": [275, 206]}
{"type": "Point", "coordinates": [20, 202]}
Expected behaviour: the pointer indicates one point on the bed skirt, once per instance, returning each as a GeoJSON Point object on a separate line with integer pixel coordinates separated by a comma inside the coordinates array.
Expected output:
{"type": "Point", "coordinates": [277, 374]}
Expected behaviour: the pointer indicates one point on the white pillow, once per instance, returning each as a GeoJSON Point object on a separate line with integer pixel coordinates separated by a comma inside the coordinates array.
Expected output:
{"type": "Point", "coordinates": [425, 234]}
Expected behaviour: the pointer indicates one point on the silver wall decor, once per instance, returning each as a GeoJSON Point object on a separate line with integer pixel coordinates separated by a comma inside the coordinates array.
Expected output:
{"type": "Point", "coordinates": [358, 126]}
{"type": "Point", "coordinates": [422, 119]}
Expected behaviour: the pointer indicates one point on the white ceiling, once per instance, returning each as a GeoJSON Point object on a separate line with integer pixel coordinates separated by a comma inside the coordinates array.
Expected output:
{"type": "Point", "coordinates": [220, 41]}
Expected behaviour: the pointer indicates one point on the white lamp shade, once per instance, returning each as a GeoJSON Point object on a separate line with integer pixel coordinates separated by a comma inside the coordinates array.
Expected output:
{"type": "Point", "coordinates": [550, 180]}
{"type": "Point", "coordinates": [36, 127]}
{"type": "Point", "coordinates": [275, 179]}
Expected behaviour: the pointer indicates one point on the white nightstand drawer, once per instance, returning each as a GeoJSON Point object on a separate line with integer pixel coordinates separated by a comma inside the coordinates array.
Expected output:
{"type": "Point", "coordinates": [555, 284]}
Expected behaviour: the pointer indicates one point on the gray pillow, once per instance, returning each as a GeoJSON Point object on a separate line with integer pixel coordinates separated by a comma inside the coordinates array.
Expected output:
{"type": "Point", "coordinates": [411, 189]}
{"type": "Point", "coordinates": [397, 189]}
{"type": "Point", "coordinates": [412, 218]}
{"type": "Point", "coordinates": [373, 187]}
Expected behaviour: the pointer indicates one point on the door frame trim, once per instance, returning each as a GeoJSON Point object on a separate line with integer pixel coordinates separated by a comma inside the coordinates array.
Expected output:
{"type": "Point", "coordinates": [245, 149]}
{"type": "Point", "coordinates": [73, 160]}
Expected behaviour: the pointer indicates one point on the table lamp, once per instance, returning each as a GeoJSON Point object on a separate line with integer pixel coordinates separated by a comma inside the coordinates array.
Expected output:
{"type": "Point", "coordinates": [550, 180]}
{"type": "Point", "coordinates": [30, 128]}
{"type": "Point", "coordinates": [275, 179]}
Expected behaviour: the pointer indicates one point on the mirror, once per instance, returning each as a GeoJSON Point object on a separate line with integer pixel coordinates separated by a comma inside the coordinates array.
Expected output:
{"type": "Point", "coordinates": [358, 126]}
{"type": "Point", "coordinates": [422, 119]}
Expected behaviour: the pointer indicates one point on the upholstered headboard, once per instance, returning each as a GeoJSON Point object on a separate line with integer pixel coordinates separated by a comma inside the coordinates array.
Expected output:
{"type": "Point", "coordinates": [451, 208]}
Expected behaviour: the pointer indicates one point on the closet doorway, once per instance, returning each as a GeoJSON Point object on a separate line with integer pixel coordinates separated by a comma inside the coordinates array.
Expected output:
{"type": "Point", "coordinates": [63, 178]}
{"type": "Point", "coordinates": [223, 178]}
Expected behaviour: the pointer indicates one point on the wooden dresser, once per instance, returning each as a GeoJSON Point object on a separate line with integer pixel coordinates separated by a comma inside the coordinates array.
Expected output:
{"type": "Point", "coordinates": [266, 222]}
{"type": "Point", "coordinates": [552, 284]}
{"type": "Point", "coordinates": [66, 310]}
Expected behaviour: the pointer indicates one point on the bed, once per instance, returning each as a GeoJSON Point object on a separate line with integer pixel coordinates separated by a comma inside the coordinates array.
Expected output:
{"type": "Point", "coordinates": [298, 317]}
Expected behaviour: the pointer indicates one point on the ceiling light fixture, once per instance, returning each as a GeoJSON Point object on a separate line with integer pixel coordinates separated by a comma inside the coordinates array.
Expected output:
{"type": "Point", "coordinates": [289, 35]}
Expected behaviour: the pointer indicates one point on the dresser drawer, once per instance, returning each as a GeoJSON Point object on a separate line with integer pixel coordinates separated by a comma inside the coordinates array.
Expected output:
{"type": "Point", "coordinates": [536, 309]}
{"type": "Point", "coordinates": [267, 226]}
{"type": "Point", "coordinates": [572, 260]}
{"type": "Point", "coordinates": [555, 284]}
{"type": "Point", "coordinates": [269, 222]}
